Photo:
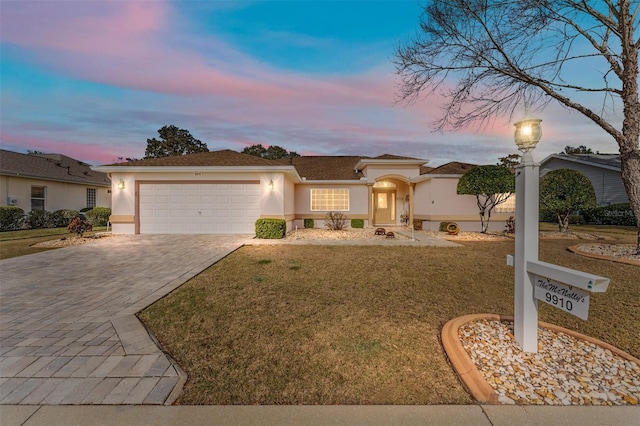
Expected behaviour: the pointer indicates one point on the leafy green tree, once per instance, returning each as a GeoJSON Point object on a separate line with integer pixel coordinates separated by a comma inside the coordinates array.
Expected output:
{"type": "Point", "coordinates": [564, 191]}
{"type": "Point", "coordinates": [274, 152]}
{"type": "Point", "coordinates": [571, 150]}
{"type": "Point", "coordinates": [492, 185]}
{"type": "Point", "coordinates": [173, 141]}
{"type": "Point", "coordinates": [510, 161]}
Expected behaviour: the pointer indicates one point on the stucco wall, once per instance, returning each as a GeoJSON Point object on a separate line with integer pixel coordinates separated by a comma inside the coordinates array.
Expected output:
{"type": "Point", "coordinates": [374, 172]}
{"type": "Point", "coordinates": [59, 195]}
{"type": "Point", "coordinates": [358, 202]}
{"type": "Point", "coordinates": [436, 201]}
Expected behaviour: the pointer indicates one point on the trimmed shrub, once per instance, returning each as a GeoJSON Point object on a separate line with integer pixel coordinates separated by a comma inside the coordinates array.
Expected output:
{"type": "Point", "coordinates": [11, 218]}
{"type": "Point", "coordinates": [85, 209]}
{"type": "Point", "coordinates": [614, 215]}
{"type": "Point", "coordinates": [40, 219]}
{"type": "Point", "coordinates": [62, 218]}
{"type": "Point", "coordinates": [309, 223]}
{"type": "Point", "coordinates": [270, 229]}
{"type": "Point", "coordinates": [417, 224]}
{"type": "Point", "coordinates": [98, 216]}
{"type": "Point", "coordinates": [335, 221]}
{"type": "Point", "coordinates": [357, 223]}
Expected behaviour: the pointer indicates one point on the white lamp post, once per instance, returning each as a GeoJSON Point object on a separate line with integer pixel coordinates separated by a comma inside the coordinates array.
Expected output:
{"type": "Point", "coordinates": [527, 135]}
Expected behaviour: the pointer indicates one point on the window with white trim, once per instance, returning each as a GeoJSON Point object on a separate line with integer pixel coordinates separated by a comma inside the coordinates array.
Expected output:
{"type": "Point", "coordinates": [331, 199]}
{"type": "Point", "coordinates": [91, 197]}
{"type": "Point", "coordinates": [38, 197]}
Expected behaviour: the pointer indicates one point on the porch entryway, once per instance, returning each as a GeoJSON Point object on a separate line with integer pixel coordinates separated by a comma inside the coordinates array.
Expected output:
{"type": "Point", "coordinates": [384, 207]}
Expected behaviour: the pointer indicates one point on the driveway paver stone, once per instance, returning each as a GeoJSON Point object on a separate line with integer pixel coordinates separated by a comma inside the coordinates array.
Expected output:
{"type": "Point", "coordinates": [68, 330]}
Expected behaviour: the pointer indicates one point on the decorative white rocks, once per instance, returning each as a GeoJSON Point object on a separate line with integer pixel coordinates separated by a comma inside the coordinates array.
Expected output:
{"type": "Point", "coordinates": [564, 371]}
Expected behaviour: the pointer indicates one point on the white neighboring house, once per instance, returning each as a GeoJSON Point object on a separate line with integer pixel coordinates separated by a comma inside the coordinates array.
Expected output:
{"type": "Point", "coordinates": [223, 192]}
{"type": "Point", "coordinates": [603, 170]}
{"type": "Point", "coordinates": [51, 182]}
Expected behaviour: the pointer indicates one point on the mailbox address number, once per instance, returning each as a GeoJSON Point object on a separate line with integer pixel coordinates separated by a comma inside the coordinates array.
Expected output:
{"type": "Point", "coordinates": [563, 297]}
{"type": "Point", "coordinates": [560, 302]}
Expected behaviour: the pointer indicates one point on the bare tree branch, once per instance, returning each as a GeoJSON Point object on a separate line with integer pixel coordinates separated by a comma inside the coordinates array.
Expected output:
{"type": "Point", "coordinates": [486, 58]}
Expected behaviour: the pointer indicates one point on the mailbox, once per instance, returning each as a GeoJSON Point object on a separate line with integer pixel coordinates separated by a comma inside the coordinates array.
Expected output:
{"type": "Point", "coordinates": [567, 276]}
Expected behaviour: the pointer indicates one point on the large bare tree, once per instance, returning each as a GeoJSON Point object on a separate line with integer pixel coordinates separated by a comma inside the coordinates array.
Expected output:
{"type": "Point", "coordinates": [493, 57]}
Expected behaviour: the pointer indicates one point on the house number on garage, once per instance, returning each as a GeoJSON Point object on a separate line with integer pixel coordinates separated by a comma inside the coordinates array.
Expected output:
{"type": "Point", "coordinates": [566, 298]}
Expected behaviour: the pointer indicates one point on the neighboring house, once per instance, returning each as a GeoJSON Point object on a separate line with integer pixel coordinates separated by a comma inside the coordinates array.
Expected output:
{"type": "Point", "coordinates": [51, 182]}
{"type": "Point", "coordinates": [226, 192]}
{"type": "Point", "coordinates": [603, 170]}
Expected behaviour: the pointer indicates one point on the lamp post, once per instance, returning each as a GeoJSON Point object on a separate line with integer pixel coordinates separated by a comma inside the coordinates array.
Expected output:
{"type": "Point", "coordinates": [527, 135]}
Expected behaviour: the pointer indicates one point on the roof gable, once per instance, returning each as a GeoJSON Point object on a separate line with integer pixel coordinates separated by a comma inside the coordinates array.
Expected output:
{"type": "Point", "coordinates": [55, 167]}
{"type": "Point", "coordinates": [605, 161]}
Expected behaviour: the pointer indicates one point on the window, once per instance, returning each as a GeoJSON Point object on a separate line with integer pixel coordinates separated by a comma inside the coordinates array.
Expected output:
{"type": "Point", "coordinates": [38, 194]}
{"type": "Point", "coordinates": [329, 200]}
{"type": "Point", "coordinates": [91, 197]}
{"type": "Point", "coordinates": [508, 206]}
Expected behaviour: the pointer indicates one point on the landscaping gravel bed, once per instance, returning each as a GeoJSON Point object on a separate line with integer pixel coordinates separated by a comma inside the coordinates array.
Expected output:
{"type": "Point", "coordinates": [564, 371]}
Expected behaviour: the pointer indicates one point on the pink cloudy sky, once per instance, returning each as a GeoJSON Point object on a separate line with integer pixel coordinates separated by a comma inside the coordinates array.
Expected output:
{"type": "Point", "coordinates": [94, 80]}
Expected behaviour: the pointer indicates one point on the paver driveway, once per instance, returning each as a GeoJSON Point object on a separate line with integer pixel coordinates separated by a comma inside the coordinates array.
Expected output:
{"type": "Point", "coordinates": [68, 331]}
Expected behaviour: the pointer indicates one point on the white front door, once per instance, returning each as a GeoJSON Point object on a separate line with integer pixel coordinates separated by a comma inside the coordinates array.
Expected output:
{"type": "Point", "coordinates": [198, 208]}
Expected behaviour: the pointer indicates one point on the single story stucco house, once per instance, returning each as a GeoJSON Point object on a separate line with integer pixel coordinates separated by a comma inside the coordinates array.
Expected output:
{"type": "Point", "coordinates": [224, 192]}
{"type": "Point", "coordinates": [51, 182]}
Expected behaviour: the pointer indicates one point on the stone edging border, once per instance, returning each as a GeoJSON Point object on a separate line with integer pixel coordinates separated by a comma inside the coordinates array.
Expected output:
{"type": "Point", "coordinates": [471, 377]}
{"type": "Point", "coordinates": [575, 249]}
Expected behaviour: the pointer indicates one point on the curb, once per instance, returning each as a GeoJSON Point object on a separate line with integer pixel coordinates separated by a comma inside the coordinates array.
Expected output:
{"type": "Point", "coordinates": [576, 249]}
{"type": "Point", "coordinates": [471, 377]}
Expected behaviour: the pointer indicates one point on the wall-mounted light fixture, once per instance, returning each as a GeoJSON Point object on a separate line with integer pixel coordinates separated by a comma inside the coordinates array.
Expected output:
{"type": "Point", "coordinates": [121, 184]}
{"type": "Point", "coordinates": [271, 185]}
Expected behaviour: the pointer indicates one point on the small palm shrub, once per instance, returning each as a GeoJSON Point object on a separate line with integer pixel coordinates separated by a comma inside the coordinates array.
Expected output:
{"type": "Point", "coordinates": [79, 226]}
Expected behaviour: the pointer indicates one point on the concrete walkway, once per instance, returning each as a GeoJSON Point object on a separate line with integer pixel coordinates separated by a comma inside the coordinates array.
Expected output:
{"type": "Point", "coordinates": [68, 330]}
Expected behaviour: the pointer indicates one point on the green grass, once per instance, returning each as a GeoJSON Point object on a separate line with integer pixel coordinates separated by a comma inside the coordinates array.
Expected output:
{"type": "Point", "coordinates": [358, 325]}
{"type": "Point", "coordinates": [19, 243]}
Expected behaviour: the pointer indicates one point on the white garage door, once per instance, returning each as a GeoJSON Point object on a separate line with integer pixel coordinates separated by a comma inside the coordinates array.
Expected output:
{"type": "Point", "coordinates": [199, 208]}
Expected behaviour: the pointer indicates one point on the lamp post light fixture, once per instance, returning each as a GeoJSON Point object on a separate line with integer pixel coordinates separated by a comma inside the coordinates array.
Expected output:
{"type": "Point", "coordinates": [527, 135]}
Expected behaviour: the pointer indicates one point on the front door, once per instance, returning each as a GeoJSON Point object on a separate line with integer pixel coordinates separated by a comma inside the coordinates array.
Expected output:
{"type": "Point", "coordinates": [383, 207]}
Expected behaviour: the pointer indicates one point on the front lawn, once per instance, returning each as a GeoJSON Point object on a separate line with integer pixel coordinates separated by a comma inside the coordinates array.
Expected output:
{"type": "Point", "coordinates": [20, 243]}
{"type": "Point", "coordinates": [357, 325]}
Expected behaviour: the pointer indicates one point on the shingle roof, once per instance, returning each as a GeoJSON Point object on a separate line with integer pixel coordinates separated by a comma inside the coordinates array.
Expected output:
{"type": "Point", "coordinates": [611, 161]}
{"type": "Point", "coordinates": [327, 167]}
{"type": "Point", "coordinates": [452, 168]}
{"type": "Point", "coordinates": [308, 167]}
{"type": "Point", "coordinates": [56, 167]}
{"type": "Point", "coordinates": [224, 157]}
